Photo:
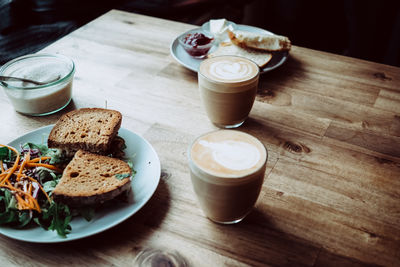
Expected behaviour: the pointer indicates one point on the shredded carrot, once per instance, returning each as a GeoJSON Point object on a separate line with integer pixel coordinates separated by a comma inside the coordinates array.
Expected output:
{"type": "Point", "coordinates": [40, 186]}
{"type": "Point", "coordinates": [24, 198]}
{"type": "Point", "coordinates": [20, 201]}
{"type": "Point", "coordinates": [31, 203]}
{"type": "Point", "coordinates": [27, 157]}
{"type": "Point", "coordinates": [2, 167]}
{"type": "Point", "coordinates": [26, 203]}
{"type": "Point", "coordinates": [39, 159]}
{"type": "Point", "coordinates": [12, 188]}
{"type": "Point", "coordinates": [48, 166]}
{"type": "Point", "coordinates": [14, 167]}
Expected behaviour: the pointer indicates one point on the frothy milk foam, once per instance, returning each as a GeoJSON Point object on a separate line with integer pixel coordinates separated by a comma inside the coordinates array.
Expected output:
{"type": "Point", "coordinates": [234, 155]}
{"type": "Point", "coordinates": [229, 69]}
{"type": "Point", "coordinates": [228, 153]}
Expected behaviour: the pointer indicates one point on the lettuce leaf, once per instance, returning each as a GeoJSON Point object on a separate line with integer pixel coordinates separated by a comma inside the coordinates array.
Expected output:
{"type": "Point", "coordinates": [56, 217]}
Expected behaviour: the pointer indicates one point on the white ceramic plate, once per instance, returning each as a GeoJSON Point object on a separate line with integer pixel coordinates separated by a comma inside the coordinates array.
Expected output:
{"type": "Point", "coordinates": [148, 170]}
{"type": "Point", "coordinates": [180, 55]}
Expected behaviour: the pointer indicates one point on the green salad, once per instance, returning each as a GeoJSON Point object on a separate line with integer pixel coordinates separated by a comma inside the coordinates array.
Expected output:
{"type": "Point", "coordinates": [27, 179]}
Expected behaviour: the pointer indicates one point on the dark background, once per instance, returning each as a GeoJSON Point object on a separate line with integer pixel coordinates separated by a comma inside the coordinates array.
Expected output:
{"type": "Point", "coordinates": [364, 29]}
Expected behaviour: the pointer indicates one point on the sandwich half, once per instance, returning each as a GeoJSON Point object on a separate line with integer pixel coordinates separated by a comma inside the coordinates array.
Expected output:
{"type": "Point", "coordinates": [90, 129]}
{"type": "Point", "coordinates": [91, 179]}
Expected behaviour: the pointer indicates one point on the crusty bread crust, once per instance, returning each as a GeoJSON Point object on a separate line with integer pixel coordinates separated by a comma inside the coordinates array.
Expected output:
{"type": "Point", "coordinates": [263, 42]}
{"type": "Point", "coordinates": [91, 129]}
{"type": "Point", "coordinates": [91, 179]}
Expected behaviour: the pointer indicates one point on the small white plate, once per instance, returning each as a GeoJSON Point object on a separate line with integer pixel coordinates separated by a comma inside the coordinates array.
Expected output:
{"type": "Point", "coordinates": [148, 170]}
{"type": "Point", "coordinates": [182, 57]}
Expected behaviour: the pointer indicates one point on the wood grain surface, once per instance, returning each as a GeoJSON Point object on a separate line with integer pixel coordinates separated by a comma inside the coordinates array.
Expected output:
{"type": "Point", "coordinates": [331, 124]}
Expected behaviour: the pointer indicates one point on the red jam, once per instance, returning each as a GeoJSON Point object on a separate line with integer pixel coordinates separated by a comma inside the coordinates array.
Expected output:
{"type": "Point", "coordinates": [197, 44]}
{"type": "Point", "coordinates": [196, 39]}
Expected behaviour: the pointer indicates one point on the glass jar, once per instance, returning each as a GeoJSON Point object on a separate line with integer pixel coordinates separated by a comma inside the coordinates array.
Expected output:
{"type": "Point", "coordinates": [39, 100]}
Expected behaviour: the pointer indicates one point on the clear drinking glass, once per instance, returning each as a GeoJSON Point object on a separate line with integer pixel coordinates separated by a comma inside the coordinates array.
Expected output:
{"type": "Point", "coordinates": [158, 257]}
{"type": "Point", "coordinates": [228, 87]}
{"type": "Point", "coordinates": [227, 170]}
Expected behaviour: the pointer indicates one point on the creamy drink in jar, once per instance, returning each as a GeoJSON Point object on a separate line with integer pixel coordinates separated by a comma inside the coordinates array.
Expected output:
{"type": "Point", "coordinates": [228, 87]}
{"type": "Point", "coordinates": [227, 169]}
{"type": "Point", "coordinates": [56, 71]}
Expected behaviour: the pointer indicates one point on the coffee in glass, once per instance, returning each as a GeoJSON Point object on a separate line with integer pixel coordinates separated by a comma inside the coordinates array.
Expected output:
{"type": "Point", "coordinates": [228, 87]}
{"type": "Point", "coordinates": [227, 170]}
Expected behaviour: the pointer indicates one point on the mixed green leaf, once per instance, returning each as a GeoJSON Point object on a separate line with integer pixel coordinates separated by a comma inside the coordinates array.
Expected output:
{"type": "Point", "coordinates": [51, 215]}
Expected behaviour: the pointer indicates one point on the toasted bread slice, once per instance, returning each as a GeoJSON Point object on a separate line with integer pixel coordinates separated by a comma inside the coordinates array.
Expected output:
{"type": "Point", "coordinates": [91, 129]}
{"type": "Point", "coordinates": [227, 48]}
{"type": "Point", "coordinates": [264, 42]}
{"type": "Point", "coordinates": [92, 179]}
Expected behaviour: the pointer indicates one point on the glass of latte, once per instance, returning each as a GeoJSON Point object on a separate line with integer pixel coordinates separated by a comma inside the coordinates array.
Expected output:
{"type": "Point", "coordinates": [227, 170]}
{"type": "Point", "coordinates": [228, 87]}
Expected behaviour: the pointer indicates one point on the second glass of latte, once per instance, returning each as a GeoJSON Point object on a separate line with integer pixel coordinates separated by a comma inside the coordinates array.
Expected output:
{"type": "Point", "coordinates": [228, 87]}
{"type": "Point", "coordinates": [227, 170]}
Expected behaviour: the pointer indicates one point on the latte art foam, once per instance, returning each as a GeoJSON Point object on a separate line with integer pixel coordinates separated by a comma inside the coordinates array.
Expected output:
{"type": "Point", "coordinates": [228, 154]}
{"type": "Point", "coordinates": [228, 70]}
{"type": "Point", "coordinates": [234, 155]}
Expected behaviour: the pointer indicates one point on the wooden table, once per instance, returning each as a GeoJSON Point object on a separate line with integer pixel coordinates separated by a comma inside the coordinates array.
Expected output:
{"type": "Point", "coordinates": [331, 124]}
